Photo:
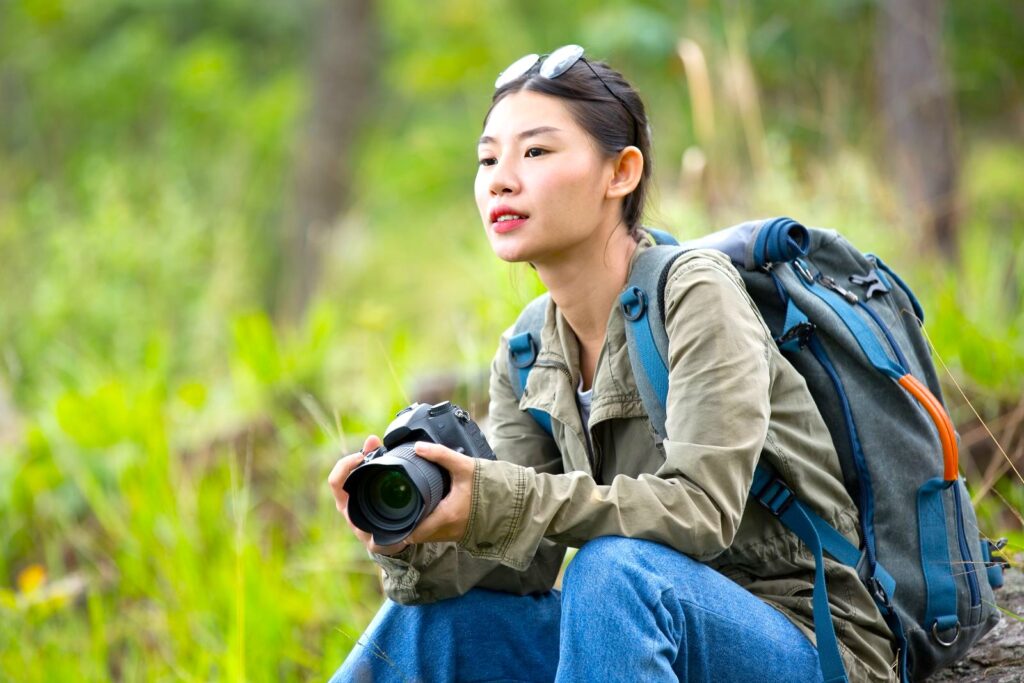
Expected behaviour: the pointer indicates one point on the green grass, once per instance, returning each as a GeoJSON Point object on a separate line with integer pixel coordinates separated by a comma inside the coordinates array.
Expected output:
{"type": "Point", "coordinates": [174, 445]}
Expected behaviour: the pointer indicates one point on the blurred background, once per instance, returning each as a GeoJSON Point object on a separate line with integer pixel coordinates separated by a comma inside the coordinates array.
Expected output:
{"type": "Point", "coordinates": [237, 235]}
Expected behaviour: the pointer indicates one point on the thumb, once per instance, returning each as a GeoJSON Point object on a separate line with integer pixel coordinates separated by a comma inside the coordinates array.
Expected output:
{"type": "Point", "coordinates": [372, 443]}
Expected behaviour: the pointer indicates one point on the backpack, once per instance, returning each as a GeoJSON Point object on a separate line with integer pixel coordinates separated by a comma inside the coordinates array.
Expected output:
{"type": "Point", "coordinates": [852, 328]}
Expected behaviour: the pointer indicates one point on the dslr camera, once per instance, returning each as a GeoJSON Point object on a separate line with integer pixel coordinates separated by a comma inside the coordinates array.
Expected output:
{"type": "Point", "coordinates": [393, 489]}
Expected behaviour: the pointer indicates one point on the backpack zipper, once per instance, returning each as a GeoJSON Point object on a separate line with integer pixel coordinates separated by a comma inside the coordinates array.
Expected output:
{"type": "Point", "coordinates": [855, 302]}
{"type": "Point", "coordinates": [965, 553]}
{"type": "Point", "coordinates": [866, 502]}
{"type": "Point", "coordinates": [888, 334]}
{"type": "Point", "coordinates": [965, 556]}
{"type": "Point", "coordinates": [865, 494]}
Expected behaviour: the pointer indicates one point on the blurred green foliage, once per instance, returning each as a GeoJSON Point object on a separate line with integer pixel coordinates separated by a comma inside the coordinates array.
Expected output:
{"type": "Point", "coordinates": [166, 461]}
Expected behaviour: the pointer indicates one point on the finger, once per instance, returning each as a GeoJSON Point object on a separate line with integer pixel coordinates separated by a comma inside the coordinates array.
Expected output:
{"type": "Point", "coordinates": [422, 534]}
{"type": "Point", "coordinates": [372, 443]}
{"type": "Point", "coordinates": [339, 474]}
{"type": "Point", "coordinates": [389, 549]}
{"type": "Point", "coordinates": [433, 523]}
{"type": "Point", "coordinates": [443, 456]}
{"type": "Point", "coordinates": [342, 468]}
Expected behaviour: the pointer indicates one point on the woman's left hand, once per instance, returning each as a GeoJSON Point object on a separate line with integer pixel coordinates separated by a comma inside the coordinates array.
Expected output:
{"type": "Point", "coordinates": [450, 518]}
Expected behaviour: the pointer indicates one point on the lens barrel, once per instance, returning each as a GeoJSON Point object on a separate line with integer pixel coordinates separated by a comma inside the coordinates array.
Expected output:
{"type": "Point", "coordinates": [393, 492]}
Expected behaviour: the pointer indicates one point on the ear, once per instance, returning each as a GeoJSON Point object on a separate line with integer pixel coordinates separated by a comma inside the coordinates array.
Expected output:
{"type": "Point", "coordinates": [627, 169]}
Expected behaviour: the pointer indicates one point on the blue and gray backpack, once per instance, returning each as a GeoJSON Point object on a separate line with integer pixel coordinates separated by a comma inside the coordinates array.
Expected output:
{"type": "Point", "coordinates": [852, 328]}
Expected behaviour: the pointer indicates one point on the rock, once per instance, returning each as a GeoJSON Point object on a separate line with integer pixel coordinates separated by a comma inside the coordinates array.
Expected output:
{"type": "Point", "coordinates": [999, 656]}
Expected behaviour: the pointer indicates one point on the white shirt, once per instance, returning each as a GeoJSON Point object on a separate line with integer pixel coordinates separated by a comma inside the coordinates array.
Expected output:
{"type": "Point", "coordinates": [583, 400]}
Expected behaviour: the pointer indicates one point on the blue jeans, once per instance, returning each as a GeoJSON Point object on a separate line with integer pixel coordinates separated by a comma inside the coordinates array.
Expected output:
{"type": "Point", "coordinates": [630, 610]}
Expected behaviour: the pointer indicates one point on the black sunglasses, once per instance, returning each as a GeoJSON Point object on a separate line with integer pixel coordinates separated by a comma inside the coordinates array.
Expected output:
{"type": "Point", "coordinates": [554, 65]}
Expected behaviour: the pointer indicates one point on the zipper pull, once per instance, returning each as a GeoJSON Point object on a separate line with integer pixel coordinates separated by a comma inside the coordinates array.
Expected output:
{"type": "Point", "coordinates": [829, 283]}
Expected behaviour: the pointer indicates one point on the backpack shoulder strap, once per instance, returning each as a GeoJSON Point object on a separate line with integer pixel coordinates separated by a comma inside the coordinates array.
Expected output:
{"type": "Point", "coordinates": [523, 348]}
{"type": "Point", "coordinates": [748, 245]}
{"type": "Point", "coordinates": [643, 305]}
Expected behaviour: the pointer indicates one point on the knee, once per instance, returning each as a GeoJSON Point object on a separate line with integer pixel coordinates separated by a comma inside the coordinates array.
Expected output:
{"type": "Point", "coordinates": [599, 557]}
{"type": "Point", "coordinates": [604, 565]}
{"type": "Point", "coordinates": [612, 553]}
{"type": "Point", "coordinates": [611, 564]}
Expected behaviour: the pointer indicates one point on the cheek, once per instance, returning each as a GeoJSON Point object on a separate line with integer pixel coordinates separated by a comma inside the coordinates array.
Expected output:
{"type": "Point", "coordinates": [480, 192]}
{"type": "Point", "coordinates": [578, 188]}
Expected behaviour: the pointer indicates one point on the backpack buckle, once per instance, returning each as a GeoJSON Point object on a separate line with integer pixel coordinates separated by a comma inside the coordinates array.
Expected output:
{"type": "Point", "coordinates": [776, 496]}
{"type": "Point", "coordinates": [801, 333]}
{"type": "Point", "coordinates": [995, 547]}
{"type": "Point", "coordinates": [801, 269]}
{"type": "Point", "coordinates": [634, 303]}
{"type": "Point", "coordinates": [878, 594]}
{"type": "Point", "coordinates": [871, 282]}
{"type": "Point", "coordinates": [523, 350]}
{"type": "Point", "coordinates": [995, 564]}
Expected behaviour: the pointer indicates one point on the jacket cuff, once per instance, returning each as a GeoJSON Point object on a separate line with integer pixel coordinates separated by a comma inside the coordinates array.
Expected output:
{"type": "Point", "coordinates": [400, 576]}
{"type": "Point", "coordinates": [496, 511]}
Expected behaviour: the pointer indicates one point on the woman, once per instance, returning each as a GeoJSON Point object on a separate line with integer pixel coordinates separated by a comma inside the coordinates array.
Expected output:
{"type": "Point", "coordinates": [677, 576]}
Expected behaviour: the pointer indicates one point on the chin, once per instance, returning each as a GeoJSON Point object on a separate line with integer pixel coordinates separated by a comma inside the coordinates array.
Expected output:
{"type": "Point", "coordinates": [510, 250]}
{"type": "Point", "coordinates": [511, 255]}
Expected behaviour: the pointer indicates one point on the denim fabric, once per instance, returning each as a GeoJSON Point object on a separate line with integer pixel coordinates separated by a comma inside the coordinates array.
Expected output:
{"type": "Point", "coordinates": [630, 610]}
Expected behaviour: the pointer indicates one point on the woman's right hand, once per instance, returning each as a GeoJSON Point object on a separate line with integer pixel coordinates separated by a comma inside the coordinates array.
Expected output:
{"type": "Point", "coordinates": [337, 478]}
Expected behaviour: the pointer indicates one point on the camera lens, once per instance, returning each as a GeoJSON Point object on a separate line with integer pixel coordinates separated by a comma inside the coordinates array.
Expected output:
{"type": "Point", "coordinates": [392, 492]}
{"type": "Point", "coordinates": [392, 495]}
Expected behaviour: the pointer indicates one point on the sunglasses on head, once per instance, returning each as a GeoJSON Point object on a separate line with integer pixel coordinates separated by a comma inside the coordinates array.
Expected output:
{"type": "Point", "coordinates": [554, 65]}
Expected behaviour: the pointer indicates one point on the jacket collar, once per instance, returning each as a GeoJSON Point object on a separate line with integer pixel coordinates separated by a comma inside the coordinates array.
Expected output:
{"type": "Point", "coordinates": [552, 384]}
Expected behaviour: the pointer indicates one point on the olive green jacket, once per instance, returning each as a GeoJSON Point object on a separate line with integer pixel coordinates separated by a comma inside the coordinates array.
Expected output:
{"type": "Point", "coordinates": [732, 399]}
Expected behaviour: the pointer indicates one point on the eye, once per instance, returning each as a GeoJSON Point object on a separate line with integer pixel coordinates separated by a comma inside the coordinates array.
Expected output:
{"type": "Point", "coordinates": [488, 161]}
{"type": "Point", "coordinates": [535, 152]}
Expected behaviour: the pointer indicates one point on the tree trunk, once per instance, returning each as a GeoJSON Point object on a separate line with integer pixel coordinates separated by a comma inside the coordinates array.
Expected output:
{"type": "Point", "coordinates": [918, 111]}
{"type": "Point", "coordinates": [343, 67]}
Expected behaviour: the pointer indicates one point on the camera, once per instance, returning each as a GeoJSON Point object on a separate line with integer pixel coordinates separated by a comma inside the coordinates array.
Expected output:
{"type": "Point", "coordinates": [393, 489]}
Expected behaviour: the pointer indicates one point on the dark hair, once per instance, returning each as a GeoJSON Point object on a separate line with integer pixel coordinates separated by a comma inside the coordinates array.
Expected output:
{"type": "Point", "coordinates": [603, 116]}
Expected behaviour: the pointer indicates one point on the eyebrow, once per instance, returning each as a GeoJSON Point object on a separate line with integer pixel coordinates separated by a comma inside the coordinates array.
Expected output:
{"type": "Point", "coordinates": [539, 130]}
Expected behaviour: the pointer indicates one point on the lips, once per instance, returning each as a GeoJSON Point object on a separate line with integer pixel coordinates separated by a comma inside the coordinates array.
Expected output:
{"type": "Point", "coordinates": [507, 225]}
{"type": "Point", "coordinates": [504, 213]}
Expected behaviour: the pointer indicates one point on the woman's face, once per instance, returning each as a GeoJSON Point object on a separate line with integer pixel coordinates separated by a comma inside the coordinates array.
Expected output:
{"type": "Point", "coordinates": [543, 173]}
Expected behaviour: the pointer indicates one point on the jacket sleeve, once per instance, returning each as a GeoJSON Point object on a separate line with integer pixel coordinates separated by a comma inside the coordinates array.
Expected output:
{"type": "Point", "coordinates": [434, 571]}
{"type": "Point", "coordinates": [718, 412]}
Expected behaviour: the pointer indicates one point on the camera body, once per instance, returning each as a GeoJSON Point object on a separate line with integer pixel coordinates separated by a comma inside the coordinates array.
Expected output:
{"type": "Point", "coordinates": [444, 423]}
{"type": "Point", "coordinates": [394, 489]}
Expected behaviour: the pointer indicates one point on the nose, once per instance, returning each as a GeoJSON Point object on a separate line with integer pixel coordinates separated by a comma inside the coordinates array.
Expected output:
{"type": "Point", "coordinates": [504, 178]}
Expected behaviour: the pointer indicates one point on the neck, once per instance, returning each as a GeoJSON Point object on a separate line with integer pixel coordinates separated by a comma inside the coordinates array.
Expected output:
{"type": "Point", "coordinates": [585, 283]}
